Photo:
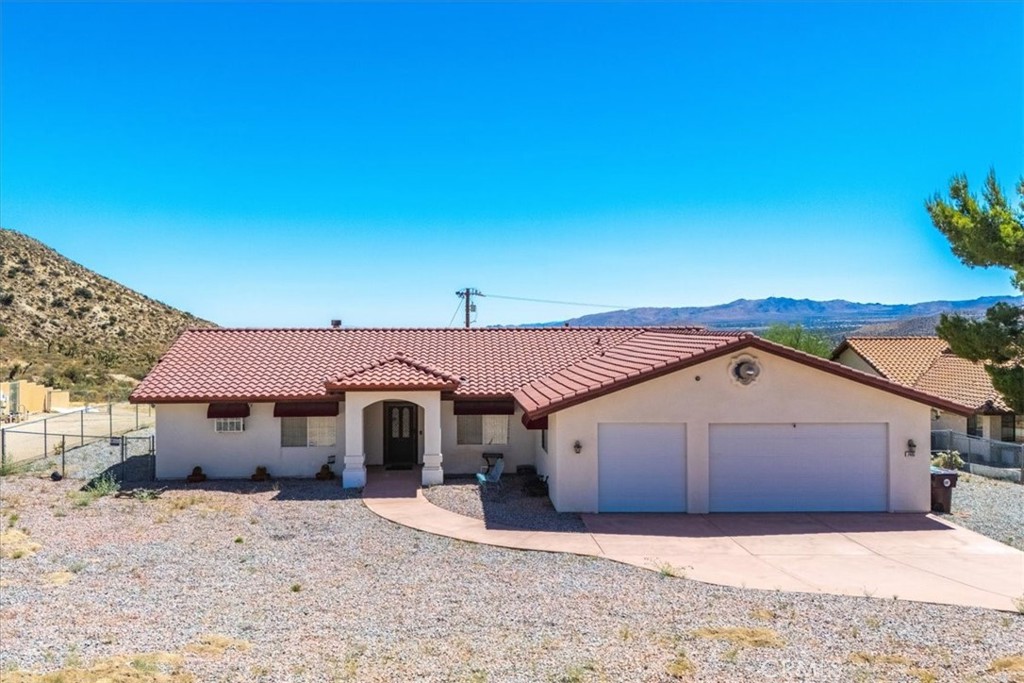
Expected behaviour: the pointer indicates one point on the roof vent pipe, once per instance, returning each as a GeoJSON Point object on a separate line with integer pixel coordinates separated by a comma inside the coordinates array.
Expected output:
{"type": "Point", "coordinates": [335, 323]}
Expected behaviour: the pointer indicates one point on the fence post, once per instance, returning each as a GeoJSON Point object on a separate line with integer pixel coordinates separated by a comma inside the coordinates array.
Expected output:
{"type": "Point", "coordinates": [110, 419]}
{"type": "Point", "coordinates": [63, 462]}
{"type": "Point", "coordinates": [81, 426]}
{"type": "Point", "coordinates": [124, 441]}
{"type": "Point", "coordinates": [136, 417]}
{"type": "Point", "coordinates": [3, 447]}
{"type": "Point", "coordinates": [46, 450]}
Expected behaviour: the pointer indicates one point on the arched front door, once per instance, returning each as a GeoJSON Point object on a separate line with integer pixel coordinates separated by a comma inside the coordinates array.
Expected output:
{"type": "Point", "coordinates": [401, 436]}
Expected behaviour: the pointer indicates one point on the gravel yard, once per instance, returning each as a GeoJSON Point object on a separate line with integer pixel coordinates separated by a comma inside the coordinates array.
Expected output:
{"type": "Point", "coordinates": [507, 507]}
{"type": "Point", "coordinates": [992, 507]}
{"type": "Point", "coordinates": [298, 581]}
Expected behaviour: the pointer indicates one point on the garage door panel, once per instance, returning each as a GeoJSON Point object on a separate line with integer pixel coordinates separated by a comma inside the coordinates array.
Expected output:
{"type": "Point", "coordinates": [641, 467]}
{"type": "Point", "coordinates": [802, 467]}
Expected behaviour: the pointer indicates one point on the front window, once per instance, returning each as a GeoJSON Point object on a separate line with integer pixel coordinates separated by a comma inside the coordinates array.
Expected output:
{"type": "Point", "coordinates": [308, 432]}
{"type": "Point", "coordinates": [482, 430]}
{"type": "Point", "coordinates": [1007, 431]}
{"type": "Point", "coordinates": [973, 425]}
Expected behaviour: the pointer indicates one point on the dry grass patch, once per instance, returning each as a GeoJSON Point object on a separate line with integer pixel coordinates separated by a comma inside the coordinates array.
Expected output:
{"type": "Point", "coordinates": [216, 644]}
{"type": "Point", "coordinates": [59, 578]}
{"type": "Point", "coordinates": [763, 614]}
{"type": "Point", "coordinates": [1013, 664]}
{"type": "Point", "coordinates": [742, 636]}
{"type": "Point", "coordinates": [172, 505]}
{"type": "Point", "coordinates": [157, 667]}
{"type": "Point", "coordinates": [680, 666]}
{"type": "Point", "coordinates": [872, 659]}
{"type": "Point", "coordinates": [15, 544]}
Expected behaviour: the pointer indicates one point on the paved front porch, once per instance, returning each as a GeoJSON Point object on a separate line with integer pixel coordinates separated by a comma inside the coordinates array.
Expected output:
{"type": "Point", "coordinates": [909, 556]}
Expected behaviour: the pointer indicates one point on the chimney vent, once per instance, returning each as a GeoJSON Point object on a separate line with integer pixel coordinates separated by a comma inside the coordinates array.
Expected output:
{"type": "Point", "coordinates": [335, 323]}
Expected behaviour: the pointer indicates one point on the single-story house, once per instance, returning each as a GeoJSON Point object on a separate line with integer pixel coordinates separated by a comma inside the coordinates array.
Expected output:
{"type": "Point", "coordinates": [618, 419]}
{"type": "Point", "coordinates": [929, 365]}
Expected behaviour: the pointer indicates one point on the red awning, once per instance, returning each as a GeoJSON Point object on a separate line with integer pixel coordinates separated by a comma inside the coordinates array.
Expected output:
{"type": "Point", "coordinates": [485, 407]}
{"type": "Point", "coordinates": [306, 409]}
{"type": "Point", "coordinates": [221, 410]}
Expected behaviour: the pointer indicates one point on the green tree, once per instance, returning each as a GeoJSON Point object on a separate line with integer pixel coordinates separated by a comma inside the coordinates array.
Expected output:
{"type": "Point", "coordinates": [796, 337]}
{"type": "Point", "coordinates": [985, 234]}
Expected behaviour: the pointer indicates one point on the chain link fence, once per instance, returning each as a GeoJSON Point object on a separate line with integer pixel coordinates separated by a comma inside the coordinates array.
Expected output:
{"type": "Point", "coordinates": [985, 457]}
{"type": "Point", "coordinates": [48, 436]}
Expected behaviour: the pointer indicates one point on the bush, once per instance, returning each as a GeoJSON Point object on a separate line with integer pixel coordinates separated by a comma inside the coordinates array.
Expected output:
{"type": "Point", "coordinates": [6, 298]}
{"type": "Point", "coordinates": [83, 292]}
{"type": "Point", "coordinates": [948, 460]}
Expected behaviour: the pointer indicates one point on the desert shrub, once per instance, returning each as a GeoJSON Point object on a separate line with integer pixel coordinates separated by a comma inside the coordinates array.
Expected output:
{"type": "Point", "coordinates": [83, 293]}
{"type": "Point", "coordinates": [6, 298]}
{"type": "Point", "coordinates": [948, 460]}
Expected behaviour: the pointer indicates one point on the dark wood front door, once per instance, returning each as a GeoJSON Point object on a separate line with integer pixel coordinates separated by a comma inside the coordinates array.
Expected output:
{"type": "Point", "coordinates": [401, 437]}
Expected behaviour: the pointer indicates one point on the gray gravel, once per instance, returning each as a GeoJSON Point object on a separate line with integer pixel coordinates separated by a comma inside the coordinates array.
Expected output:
{"type": "Point", "coordinates": [992, 507]}
{"type": "Point", "coordinates": [99, 457]}
{"type": "Point", "coordinates": [319, 588]}
{"type": "Point", "coordinates": [508, 507]}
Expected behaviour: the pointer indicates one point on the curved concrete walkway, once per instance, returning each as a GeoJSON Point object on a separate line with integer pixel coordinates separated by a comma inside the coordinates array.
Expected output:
{"type": "Point", "coordinates": [910, 556]}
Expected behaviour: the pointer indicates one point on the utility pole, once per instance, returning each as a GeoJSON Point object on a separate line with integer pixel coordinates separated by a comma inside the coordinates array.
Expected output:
{"type": "Point", "coordinates": [467, 294]}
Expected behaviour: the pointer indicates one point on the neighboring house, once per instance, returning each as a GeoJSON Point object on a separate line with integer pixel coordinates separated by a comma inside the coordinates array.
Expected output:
{"type": "Point", "coordinates": [618, 419]}
{"type": "Point", "coordinates": [928, 364]}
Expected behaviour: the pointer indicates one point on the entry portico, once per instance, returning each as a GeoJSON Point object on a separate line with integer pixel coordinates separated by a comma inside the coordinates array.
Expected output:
{"type": "Point", "coordinates": [428, 420]}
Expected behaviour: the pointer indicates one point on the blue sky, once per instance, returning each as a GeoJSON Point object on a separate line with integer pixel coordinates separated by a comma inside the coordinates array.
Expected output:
{"type": "Point", "coordinates": [266, 164]}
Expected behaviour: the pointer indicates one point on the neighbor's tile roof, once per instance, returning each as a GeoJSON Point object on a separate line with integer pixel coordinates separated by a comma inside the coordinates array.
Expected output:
{"type": "Point", "coordinates": [544, 369]}
{"type": "Point", "coordinates": [928, 364]}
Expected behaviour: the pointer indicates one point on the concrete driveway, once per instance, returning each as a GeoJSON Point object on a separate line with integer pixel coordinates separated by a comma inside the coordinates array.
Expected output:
{"type": "Point", "coordinates": [878, 555]}
{"type": "Point", "coordinates": [905, 556]}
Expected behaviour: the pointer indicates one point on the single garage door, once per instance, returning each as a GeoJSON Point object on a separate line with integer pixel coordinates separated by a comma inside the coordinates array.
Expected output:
{"type": "Point", "coordinates": [798, 467]}
{"type": "Point", "coordinates": [641, 467]}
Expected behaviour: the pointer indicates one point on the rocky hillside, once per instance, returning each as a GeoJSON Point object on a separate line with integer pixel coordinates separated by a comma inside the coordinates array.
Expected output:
{"type": "Point", "coordinates": [68, 327]}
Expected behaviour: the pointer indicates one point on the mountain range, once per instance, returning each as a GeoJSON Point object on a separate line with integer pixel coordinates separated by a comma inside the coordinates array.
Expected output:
{"type": "Point", "coordinates": [833, 317]}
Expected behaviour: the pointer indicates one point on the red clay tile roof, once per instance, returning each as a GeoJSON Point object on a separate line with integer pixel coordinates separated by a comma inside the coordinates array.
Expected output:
{"type": "Point", "coordinates": [655, 352]}
{"type": "Point", "coordinates": [281, 364]}
{"type": "Point", "coordinates": [928, 364]}
{"type": "Point", "coordinates": [397, 372]}
{"type": "Point", "coordinates": [544, 369]}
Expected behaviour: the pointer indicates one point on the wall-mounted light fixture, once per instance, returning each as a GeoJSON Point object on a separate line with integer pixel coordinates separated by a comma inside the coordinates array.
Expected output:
{"type": "Point", "coordinates": [936, 414]}
{"type": "Point", "coordinates": [577, 446]}
{"type": "Point", "coordinates": [911, 449]}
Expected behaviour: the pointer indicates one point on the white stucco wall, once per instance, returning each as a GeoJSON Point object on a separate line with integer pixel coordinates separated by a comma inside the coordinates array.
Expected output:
{"type": "Point", "coordinates": [462, 459]}
{"type": "Point", "coordinates": [185, 438]}
{"type": "Point", "coordinates": [852, 359]}
{"type": "Point", "coordinates": [786, 391]}
{"type": "Point", "coordinates": [958, 423]}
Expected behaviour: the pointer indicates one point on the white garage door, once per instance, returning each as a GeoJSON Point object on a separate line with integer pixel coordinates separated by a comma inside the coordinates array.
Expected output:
{"type": "Point", "coordinates": [802, 467]}
{"type": "Point", "coordinates": [641, 467]}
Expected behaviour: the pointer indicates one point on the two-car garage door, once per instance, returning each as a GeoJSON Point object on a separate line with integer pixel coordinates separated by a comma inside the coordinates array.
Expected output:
{"type": "Point", "coordinates": [798, 467]}
{"type": "Point", "coordinates": [752, 467]}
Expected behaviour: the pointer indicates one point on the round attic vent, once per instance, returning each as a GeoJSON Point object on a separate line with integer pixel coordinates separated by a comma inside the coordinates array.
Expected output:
{"type": "Point", "coordinates": [745, 370]}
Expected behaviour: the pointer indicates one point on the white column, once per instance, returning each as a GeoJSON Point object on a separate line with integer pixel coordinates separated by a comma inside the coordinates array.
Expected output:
{"type": "Point", "coordinates": [433, 472]}
{"type": "Point", "coordinates": [353, 476]}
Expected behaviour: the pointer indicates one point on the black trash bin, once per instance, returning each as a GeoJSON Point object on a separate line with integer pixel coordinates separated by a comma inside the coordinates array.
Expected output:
{"type": "Point", "coordinates": [943, 483]}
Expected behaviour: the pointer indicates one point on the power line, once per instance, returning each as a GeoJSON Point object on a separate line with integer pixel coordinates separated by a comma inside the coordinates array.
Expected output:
{"type": "Point", "coordinates": [457, 307]}
{"type": "Point", "coordinates": [549, 301]}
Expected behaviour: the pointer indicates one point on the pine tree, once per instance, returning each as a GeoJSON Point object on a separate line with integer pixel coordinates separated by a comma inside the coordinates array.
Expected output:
{"type": "Point", "coordinates": [984, 234]}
